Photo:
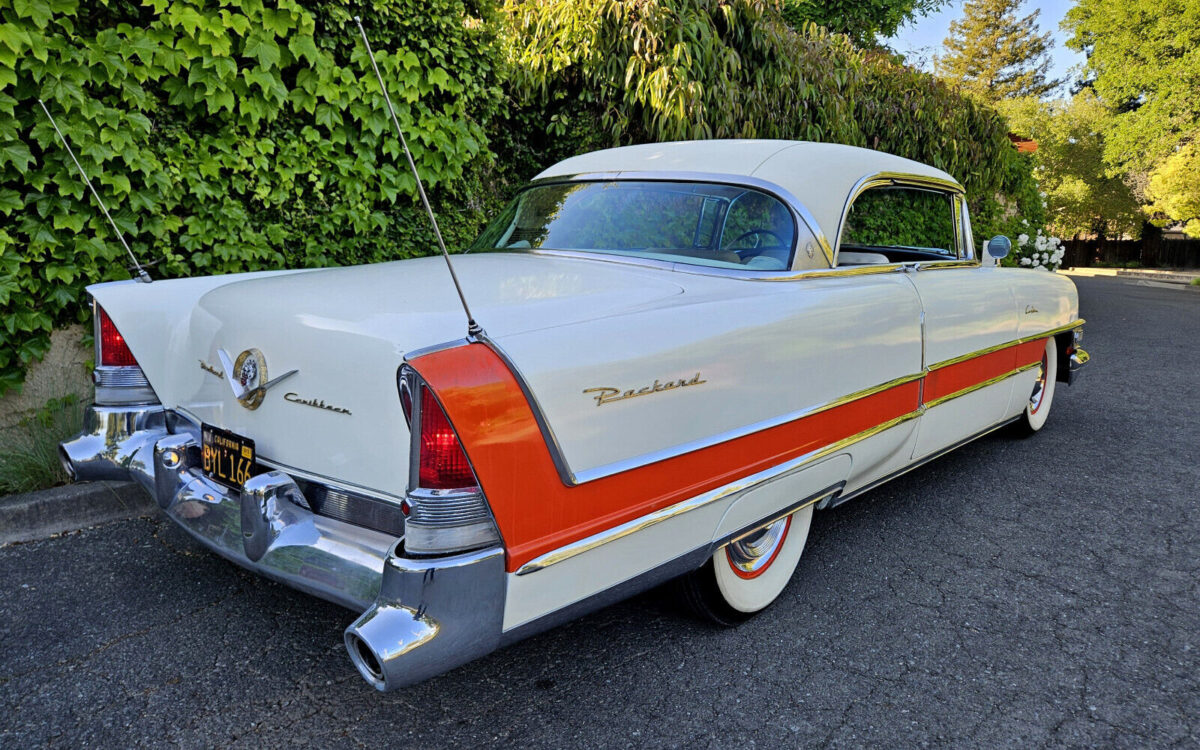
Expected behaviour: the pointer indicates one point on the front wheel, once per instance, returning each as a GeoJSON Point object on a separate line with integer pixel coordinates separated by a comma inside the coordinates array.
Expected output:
{"type": "Point", "coordinates": [1037, 411]}
{"type": "Point", "coordinates": [749, 573]}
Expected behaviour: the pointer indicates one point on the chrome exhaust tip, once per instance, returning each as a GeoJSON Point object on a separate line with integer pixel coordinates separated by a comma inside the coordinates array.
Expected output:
{"type": "Point", "coordinates": [383, 645]}
{"type": "Point", "coordinates": [432, 615]}
{"type": "Point", "coordinates": [365, 659]}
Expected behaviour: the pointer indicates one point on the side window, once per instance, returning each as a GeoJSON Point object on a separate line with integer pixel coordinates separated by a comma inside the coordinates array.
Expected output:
{"type": "Point", "coordinates": [903, 223]}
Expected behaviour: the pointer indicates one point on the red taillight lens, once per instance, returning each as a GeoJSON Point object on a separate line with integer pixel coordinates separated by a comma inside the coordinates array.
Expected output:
{"type": "Point", "coordinates": [113, 350]}
{"type": "Point", "coordinates": [443, 464]}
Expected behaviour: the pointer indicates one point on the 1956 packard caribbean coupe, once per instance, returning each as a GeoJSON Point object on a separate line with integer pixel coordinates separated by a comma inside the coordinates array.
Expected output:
{"type": "Point", "coordinates": [682, 350]}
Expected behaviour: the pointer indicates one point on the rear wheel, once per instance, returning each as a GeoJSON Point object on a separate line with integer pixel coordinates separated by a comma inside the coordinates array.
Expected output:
{"type": "Point", "coordinates": [1037, 411]}
{"type": "Point", "coordinates": [749, 573]}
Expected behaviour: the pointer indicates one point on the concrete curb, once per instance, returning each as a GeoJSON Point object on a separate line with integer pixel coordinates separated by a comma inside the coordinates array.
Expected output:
{"type": "Point", "coordinates": [38, 515]}
{"type": "Point", "coordinates": [1155, 274]}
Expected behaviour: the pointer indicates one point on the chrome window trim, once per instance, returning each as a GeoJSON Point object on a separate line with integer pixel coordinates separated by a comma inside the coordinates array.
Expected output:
{"type": "Point", "coordinates": [964, 227]}
{"type": "Point", "coordinates": [731, 273]}
{"type": "Point", "coordinates": [800, 213]}
{"type": "Point", "coordinates": [897, 179]}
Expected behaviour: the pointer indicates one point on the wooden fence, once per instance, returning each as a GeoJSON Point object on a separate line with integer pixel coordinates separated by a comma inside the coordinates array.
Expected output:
{"type": "Point", "coordinates": [1151, 252]}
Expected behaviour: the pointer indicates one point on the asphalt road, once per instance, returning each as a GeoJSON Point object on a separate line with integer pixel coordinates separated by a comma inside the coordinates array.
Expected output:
{"type": "Point", "coordinates": [1027, 593]}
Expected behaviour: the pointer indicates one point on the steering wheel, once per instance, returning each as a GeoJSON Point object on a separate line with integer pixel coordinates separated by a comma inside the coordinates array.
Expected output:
{"type": "Point", "coordinates": [756, 234]}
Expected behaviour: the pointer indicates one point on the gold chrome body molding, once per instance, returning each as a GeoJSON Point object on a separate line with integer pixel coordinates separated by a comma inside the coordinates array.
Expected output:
{"type": "Point", "coordinates": [1023, 340]}
{"type": "Point", "coordinates": [617, 532]}
{"type": "Point", "coordinates": [755, 480]}
{"type": "Point", "coordinates": [984, 384]}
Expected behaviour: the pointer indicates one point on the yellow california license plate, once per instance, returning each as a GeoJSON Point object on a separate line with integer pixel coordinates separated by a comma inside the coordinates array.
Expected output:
{"type": "Point", "coordinates": [228, 457]}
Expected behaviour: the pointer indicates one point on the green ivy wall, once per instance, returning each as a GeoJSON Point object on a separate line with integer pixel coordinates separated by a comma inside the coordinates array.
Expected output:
{"type": "Point", "coordinates": [234, 135]}
{"type": "Point", "coordinates": [226, 137]}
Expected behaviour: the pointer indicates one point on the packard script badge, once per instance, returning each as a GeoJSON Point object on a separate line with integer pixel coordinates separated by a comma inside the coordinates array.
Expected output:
{"type": "Point", "coordinates": [250, 371]}
{"type": "Point", "coordinates": [606, 395]}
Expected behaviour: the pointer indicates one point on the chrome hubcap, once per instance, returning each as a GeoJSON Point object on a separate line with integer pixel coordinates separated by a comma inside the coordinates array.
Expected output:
{"type": "Point", "coordinates": [1039, 387]}
{"type": "Point", "coordinates": [751, 554]}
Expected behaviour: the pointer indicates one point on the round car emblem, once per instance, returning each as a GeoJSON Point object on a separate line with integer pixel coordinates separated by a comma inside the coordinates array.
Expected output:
{"type": "Point", "coordinates": [251, 370]}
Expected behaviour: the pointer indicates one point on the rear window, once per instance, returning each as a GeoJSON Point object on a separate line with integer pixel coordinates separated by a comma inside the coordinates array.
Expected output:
{"type": "Point", "coordinates": [901, 218]}
{"type": "Point", "coordinates": [699, 223]}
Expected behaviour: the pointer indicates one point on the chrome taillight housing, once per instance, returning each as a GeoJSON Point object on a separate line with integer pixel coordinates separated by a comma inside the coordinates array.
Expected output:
{"type": "Point", "coordinates": [446, 507]}
{"type": "Point", "coordinates": [118, 378]}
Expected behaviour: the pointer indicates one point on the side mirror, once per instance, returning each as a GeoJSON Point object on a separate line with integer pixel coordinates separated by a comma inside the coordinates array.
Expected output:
{"type": "Point", "coordinates": [999, 246]}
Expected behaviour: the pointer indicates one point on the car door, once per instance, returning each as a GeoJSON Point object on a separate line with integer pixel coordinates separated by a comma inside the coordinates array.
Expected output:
{"type": "Point", "coordinates": [969, 313]}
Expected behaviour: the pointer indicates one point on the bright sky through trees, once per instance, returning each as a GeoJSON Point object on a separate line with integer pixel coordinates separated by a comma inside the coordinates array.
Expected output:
{"type": "Point", "coordinates": [921, 40]}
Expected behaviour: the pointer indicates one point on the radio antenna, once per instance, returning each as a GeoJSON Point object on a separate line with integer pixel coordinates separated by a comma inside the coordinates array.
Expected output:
{"type": "Point", "coordinates": [141, 272]}
{"type": "Point", "coordinates": [473, 328]}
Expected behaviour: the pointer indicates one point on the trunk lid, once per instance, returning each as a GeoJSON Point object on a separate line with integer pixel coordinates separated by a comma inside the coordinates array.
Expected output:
{"type": "Point", "coordinates": [347, 330]}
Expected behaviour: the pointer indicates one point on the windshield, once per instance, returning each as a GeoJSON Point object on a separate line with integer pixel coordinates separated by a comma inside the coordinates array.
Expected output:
{"type": "Point", "coordinates": [704, 224]}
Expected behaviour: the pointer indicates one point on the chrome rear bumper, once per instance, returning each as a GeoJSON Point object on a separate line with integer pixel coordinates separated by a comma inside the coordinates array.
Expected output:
{"type": "Point", "coordinates": [416, 624]}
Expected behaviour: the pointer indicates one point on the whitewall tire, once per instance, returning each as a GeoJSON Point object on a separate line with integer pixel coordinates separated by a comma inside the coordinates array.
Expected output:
{"type": "Point", "coordinates": [746, 575]}
{"type": "Point", "coordinates": [1037, 410]}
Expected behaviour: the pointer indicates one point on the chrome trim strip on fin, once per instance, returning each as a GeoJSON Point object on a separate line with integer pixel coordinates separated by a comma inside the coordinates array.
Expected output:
{"type": "Point", "coordinates": [413, 354]}
{"type": "Point", "coordinates": [553, 446]}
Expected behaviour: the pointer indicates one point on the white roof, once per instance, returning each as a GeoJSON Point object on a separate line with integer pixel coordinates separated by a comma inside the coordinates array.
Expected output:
{"type": "Point", "coordinates": [819, 175]}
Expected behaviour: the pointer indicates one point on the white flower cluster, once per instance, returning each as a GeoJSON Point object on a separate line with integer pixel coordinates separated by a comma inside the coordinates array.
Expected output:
{"type": "Point", "coordinates": [1040, 251]}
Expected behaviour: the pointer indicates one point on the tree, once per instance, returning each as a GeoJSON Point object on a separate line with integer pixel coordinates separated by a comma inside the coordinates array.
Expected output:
{"type": "Point", "coordinates": [1175, 189]}
{"type": "Point", "coordinates": [1082, 197]}
{"type": "Point", "coordinates": [1143, 60]}
{"type": "Point", "coordinates": [995, 55]}
{"type": "Point", "coordinates": [864, 21]}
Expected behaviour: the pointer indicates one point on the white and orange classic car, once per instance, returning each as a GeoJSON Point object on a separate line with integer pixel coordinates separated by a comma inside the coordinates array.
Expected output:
{"type": "Point", "coordinates": [681, 352]}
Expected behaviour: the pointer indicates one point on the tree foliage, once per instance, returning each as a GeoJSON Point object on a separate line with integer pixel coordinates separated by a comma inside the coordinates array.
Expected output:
{"type": "Point", "coordinates": [1143, 60]}
{"type": "Point", "coordinates": [1174, 189]}
{"type": "Point", "coordinates": [238, 135]}
{"type": "Point", "coordinates": [1082, 196]}
{"type": "Point", "coordinates": [224, 138]}
{"type": "Point", "coordinates": [680, 69]}
{"type": "Point", "coordinates": [864, 21]}
{"type": "Point", "coordinates": [994, 54]}
{"type": "Point", "coordinates": [676, 69]}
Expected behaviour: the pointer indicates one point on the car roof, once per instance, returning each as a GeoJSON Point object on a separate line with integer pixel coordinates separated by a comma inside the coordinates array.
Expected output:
{"type": "Point", "coordinates": [820, 176]}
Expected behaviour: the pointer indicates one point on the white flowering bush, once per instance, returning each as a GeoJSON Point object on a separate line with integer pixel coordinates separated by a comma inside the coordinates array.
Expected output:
{"type": "Point", "coordinates": [1040, 251]}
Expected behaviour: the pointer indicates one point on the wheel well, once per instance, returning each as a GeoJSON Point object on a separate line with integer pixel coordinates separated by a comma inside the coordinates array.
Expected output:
{"type": "Point", "coordinates": [1062, 343]}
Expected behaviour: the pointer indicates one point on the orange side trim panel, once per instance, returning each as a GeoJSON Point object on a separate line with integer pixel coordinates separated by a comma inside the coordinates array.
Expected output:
{"type": "Point", "coordinates": [537, 513]}
{"type": "Point", "coordinates": [956, 377]}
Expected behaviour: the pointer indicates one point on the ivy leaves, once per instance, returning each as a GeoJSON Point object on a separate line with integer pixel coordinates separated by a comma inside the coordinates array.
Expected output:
{"type": "Point", "coordinates": [224, 139]}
